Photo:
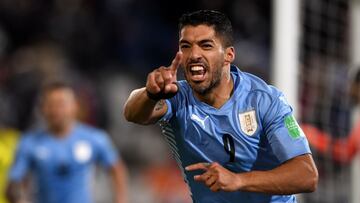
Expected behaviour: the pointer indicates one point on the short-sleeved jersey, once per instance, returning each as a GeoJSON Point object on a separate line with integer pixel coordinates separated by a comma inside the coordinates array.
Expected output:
{"type": "Point", "coordinates": [253, 130]}
{"type": "Point", "coordinates": [62, 167]}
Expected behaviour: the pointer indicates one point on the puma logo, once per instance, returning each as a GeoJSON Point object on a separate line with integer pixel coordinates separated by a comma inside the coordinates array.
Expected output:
{"type": "Point", "coordinates": [198, 119]}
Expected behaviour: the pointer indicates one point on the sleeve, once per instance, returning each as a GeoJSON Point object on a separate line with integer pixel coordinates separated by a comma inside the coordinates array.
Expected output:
{"type": "Point", "coordinates": [284, 134]}
{"type": "Point", "coordinates": [169, 112]}
{"type": "Point", "coordinates": [22, 162]}
{"type": "Point", "coordinates": [107, 155]}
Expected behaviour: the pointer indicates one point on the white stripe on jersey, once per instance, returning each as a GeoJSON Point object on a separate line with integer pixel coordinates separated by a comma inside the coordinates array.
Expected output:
{"type": "Point", "coordinates": [169, 136]}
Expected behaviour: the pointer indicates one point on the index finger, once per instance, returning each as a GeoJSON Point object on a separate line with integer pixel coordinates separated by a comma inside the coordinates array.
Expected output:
{"type": "Point", "coordinates": [176, 62]}
{"type": "Point", "coordinates": [198, 166]}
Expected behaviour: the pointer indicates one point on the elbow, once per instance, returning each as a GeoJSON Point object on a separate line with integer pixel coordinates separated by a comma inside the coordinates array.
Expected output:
{"type": "Point", "coordinates": [312, 182]}
{"type": "Point", "coordinates": [310, 175]}
{"type": "Point", "coordinates": [127, 114]}
{"type": "Point", "coordinates": [130, 116]}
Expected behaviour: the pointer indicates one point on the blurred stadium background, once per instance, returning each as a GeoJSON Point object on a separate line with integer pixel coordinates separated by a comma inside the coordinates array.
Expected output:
{"type": "Point", "coordinates": [309, 49]}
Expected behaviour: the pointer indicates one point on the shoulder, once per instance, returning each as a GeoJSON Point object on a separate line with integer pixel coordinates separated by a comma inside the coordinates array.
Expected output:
{"type": "Point", "coordinates": [260, 89]}
{"type": "Point", "coordinates": [90, 133]}
{"type": "Point", "coordinates": [88, 129]}
{"type": "Point", "coordinates": [30, 139]}
{"type": "Point", "coordinates": [262, 96]}
{"type": "Point", "coordinates": [32, 135]}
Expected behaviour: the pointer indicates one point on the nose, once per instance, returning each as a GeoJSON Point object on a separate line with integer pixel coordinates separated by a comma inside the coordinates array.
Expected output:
{"type": "Point", "coordinates": [195, 53]}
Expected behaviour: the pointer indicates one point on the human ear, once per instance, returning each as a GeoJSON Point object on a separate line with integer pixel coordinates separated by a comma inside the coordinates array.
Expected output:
{"type": "Point", "coordinates": [229, 54]}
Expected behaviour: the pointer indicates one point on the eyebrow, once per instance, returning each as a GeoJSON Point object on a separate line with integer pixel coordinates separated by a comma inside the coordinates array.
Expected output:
{"type": "Point", "coordinates": [184, 41]}
{"type": "Point", "coordinates": [201, 41]}
{"type": "Point", "coordinates": [206, 41]}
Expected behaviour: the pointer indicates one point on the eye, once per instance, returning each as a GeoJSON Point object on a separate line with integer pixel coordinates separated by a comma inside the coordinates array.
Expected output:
{"type": "Point", "coordinates": [207, 46]}
{"type": "Point", "coordinates": [184, 46]}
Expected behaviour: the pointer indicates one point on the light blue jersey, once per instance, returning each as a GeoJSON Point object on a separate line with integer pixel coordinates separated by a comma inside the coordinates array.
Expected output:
{"type": "Point", "coordinates": [253, 130]}
{"type": "Point", "coordinates": [62, 167]}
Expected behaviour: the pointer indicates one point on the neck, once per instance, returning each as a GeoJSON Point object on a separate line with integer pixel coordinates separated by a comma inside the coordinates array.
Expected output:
{"type": "Point", "coordinates": [61, 131]}
{"type": "Point", "coordinates": [220, 94]}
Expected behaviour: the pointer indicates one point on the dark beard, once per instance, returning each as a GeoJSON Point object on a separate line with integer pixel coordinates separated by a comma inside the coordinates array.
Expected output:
{"type": "Point", "coordinates": [215, 82]}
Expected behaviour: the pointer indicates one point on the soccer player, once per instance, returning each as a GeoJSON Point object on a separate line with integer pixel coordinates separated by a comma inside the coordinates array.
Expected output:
{"type": "Point", "coordinates": [234, 136]}
{"type": "Point", "coordinates": [62, 155]}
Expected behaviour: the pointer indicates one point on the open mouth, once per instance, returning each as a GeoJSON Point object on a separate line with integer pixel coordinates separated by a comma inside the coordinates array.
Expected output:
{"type": "Point", "coordinates": [197, 72]}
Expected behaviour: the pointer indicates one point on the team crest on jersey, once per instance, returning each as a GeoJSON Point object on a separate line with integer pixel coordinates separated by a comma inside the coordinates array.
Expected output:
{"type": "Point", "coordinates": [82, 151]}
{"type": "Point", "coordinates": [248, 122]}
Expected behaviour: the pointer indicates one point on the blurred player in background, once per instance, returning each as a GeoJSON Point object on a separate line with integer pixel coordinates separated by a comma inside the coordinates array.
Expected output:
{"type": "Point", "coordinates": [234, 137]}
{"type": "Point", "coordinates": [61, 156]}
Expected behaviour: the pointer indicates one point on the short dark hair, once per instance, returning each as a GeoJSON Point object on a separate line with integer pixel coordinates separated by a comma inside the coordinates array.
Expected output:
{"type": "Point", "coordinates": [219, 21]}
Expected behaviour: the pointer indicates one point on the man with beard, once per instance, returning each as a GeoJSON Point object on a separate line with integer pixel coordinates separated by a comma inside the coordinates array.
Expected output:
{"type": "Point", "coordinates": [233, 136]}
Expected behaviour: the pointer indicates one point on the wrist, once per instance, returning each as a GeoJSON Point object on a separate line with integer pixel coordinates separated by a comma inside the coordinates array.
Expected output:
{"type": "Point", "coordinates": [153, 97]}
{"type": "Point", "coordinates": [241, 181]}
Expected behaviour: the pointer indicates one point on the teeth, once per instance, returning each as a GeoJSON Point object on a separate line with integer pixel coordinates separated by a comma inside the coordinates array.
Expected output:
{"type": "Point", "coordinates": [197, 68]}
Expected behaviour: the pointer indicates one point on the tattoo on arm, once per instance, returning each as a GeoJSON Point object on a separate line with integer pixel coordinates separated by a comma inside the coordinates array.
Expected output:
{"type": "Point", "coordinates": [159, 105]}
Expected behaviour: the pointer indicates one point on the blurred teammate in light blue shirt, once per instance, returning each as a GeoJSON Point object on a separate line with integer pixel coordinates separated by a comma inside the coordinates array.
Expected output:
{"type": "Point", "coordinates": [234, 137]}
{"type": "Point", "coordinates": [61, 157]}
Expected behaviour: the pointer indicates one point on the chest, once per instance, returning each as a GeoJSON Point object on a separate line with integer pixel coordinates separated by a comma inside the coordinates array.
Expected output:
{"type": "Point", "coordinates": [61, 157]}
{"type": "Point", "coordinates": [230, 137]}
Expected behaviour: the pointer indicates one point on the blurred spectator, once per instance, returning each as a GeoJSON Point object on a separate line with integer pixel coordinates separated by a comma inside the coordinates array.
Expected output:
{"type": "Point", "coordinates": [324, 95]}
{"type": "Point", "coordinates": [344, 148]}
{"type": "Point", "coordinates": [61, 155]}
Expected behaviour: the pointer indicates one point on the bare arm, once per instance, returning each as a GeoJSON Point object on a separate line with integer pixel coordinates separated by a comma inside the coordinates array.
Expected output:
{"type": "Point", "coordinates": [297, 175]}
{"type": "Point", "coordinates": [119, 179]}
{"type": "Point", "coordinates": [140, 108]}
